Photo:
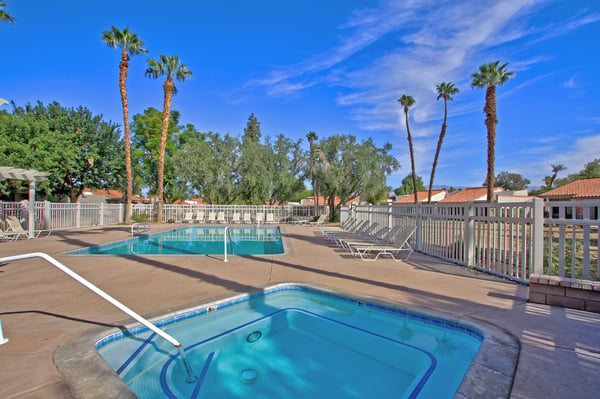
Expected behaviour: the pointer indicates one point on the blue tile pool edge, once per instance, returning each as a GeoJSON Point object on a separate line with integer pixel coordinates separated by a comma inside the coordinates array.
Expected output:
{"type": "Point", "coordinates": [491, 373]}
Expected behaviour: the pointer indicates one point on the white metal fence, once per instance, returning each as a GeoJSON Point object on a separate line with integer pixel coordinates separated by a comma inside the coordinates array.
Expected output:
{"type": "Point", "coordinates": [60, 216]}
{"type": "Point", "coordinates": [513, 240]}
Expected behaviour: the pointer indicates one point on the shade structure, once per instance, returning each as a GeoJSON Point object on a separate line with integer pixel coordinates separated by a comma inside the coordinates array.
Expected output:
{"type": "Point", "coordinates": [32, 176]}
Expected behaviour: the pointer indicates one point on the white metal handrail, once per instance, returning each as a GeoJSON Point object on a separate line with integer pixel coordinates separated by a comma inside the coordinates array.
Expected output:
{"type": "Point", "coordinates": [139, 228]}
{"type": "Point", "coordinates": [226, 234]}
{"type": "Point", "coordinates": [96, 290]}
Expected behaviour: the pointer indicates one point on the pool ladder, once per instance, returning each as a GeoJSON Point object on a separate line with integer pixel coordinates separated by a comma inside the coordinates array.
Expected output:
{"type": "Point", "coordinates": [227, 234]}
{"type": "Point", "coordinates": [190, 375]}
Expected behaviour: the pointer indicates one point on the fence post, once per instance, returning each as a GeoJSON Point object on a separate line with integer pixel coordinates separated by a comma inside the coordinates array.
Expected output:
{"type": "Point", "coordinates": [101, 216]}
{"type": "Point", "coordinates": [419, 232]}
{"type": "Point", "coordinates": [469, 246]}
{"type": "Point", "coordinates": [122, 210]}
{"type": "Point", "coordinates": [390, 216]}
{"type": "Point", "coordinates": [537, 237]}
{"type": "Point", "coordinates": [78, 215]}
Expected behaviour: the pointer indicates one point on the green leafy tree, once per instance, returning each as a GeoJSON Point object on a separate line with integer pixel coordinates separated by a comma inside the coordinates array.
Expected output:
{"type": "Point", "coordinates": [77, 148]}
{"type": "Point", "coordinates": [146, 141]}
{"type": "Point", "coordinates": [288, 164]}
{"type": "Point", "coordinates": [349, 169]}
{"type": "Point", "coordinates": [209, 164]}
{"type": "Point", "coordinates": [445, 91]}
{"type": "Point", "coordinates": [511, 181]}
{"type": "Point", "coordinates": [407, 186]}
{"type": "Point", "coordinates": [591, 169]}
{"type": "Point", "coordinates": [4, 16]}
{"type": "Point", "coordinates": [407, 102]}
{"type": "Point", "coordinates": [255, 166]}
{"type": "Point", "coordinates": [169, 66]}
{"type": "Point", "coordinates": [489, 76]}
{"type": "Point", "coordinates": [130, 44]}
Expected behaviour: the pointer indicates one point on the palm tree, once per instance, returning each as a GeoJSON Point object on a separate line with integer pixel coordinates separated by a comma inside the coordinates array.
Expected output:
{"type": "Point", "coordinates": [407, 102]}
{"type": "Point", "coordinates": [312, 137]}
{"type": "Point", "coordinates": [555, 169]}
{"type": "Point", "coordinates": [130, 44]}
{"type": "Point", "coordinates": [4, 16]}
{"type": "Point", "coordinates": [445, 91]}
{"type": "Point", "coordinates": [489, 76]}
{"type": "Point", "coordinates": [166, 66]}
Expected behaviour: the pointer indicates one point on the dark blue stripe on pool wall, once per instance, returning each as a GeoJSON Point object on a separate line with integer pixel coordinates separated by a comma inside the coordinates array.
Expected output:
{"type": "Point", "coordinates": [202, 375]}
{"type": "Point", "coordinates": [134, 354]}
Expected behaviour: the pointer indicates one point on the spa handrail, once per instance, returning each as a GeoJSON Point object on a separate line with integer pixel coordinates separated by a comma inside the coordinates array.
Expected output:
{"type": "Point", "coordinates": [226, 234]}
{"type": "Point", "coordinates": [96, 290]}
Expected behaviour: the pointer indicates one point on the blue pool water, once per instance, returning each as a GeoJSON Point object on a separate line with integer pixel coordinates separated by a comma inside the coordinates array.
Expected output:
{"type": "Point", "coordinates": [296, 341]}
{"type": "Point", "coordinates": [196, 240]}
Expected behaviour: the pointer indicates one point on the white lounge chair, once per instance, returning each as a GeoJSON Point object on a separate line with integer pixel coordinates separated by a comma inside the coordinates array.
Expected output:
{"type": "Point", "coordinates": [393, 251]}
{"type": "Point", "coordinates": [11, 236]}
{"type": "Point", "coordinates": [235, 218]}
{"type": "Point", "coordinates": [212, 217]}
{"type": "Point", "coordinates": [259, 217]}
{"type": "Point", "coordinates": [221, 217]}
{"type": "Point", "coordinates": [199, 217]}
{"type": "Point", "coordinates": [15, 227]}
{"type": "Point", "coordinates": [188, 218]}
{"type": "Point", "coordinates": [270, 218]}
{"type": "Point", "coordinates": [247, 217]}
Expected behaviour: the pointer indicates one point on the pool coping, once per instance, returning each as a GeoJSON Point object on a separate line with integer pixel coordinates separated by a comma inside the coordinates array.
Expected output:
{"type": "Point", "coordinates": [87, 375]}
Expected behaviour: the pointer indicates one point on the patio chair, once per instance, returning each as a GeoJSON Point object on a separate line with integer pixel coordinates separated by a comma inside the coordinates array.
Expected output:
{"type": "Point", "coordinates": [235, 218]}
{"type": "Point", "coordinates": [260, 217]}
{"type": "Point", "coordinates": [270, 218]}
{"type": "Point", "coordinates": [14, 226]}
{"type": "Point", "coordinates": [364, 232]}
{"type": "Point", "coordinates": [384, 236]}
{"type": "Point", "coordinates": [10, 236]}
{"type": "Point", "coordinates": [221, 217]}
{"type": "Point", "coordinates": [393, 251]}
{"type": "Point", "coordinates": [212, 217]}
{"type": "Point", "coordinates": [319, 222]}
{"type": "Point", "coordinates": [247, 217]}
{"type": "Point", "coordinates": [188, 218]}
{"type": "Point", "coordinates": [199, 217]}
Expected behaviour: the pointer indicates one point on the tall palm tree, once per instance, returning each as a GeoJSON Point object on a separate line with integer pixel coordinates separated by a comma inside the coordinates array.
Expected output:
{"type": "Point", "coordinates": [312, 137]}
{"type": "Point", "coordinates": [489, 76]}
{"type": "Point", "coordinates": [4, 16]}
{"type": "Point", "coordinates": [445, 91]}
{"type": "Point", "coordinates": [555, 169]}
{"type": "Point", "coordinates": [407, 102]}
{"type": "Point", "coordinates": [169, 66]}
{"type": "Point", "coordinates": [130, 44]}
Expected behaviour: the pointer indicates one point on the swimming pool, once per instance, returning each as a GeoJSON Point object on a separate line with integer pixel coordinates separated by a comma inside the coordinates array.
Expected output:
{"type": "Point", "coordinates": [296, 341]}
{"type": "Point", "coordinates": [196, 240]}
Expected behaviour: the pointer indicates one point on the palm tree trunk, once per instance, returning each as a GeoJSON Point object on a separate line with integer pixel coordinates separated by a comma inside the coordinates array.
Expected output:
{"type": "Point", "coordinates": [490, 122]}
{"type": "Point", "coordinates": [412, 157]}
{"type": "Point", "coordinates": [437, 151]}
{"type": "Point", "coordinates": [123, 69]}
{"type": "Point", "coordinates": [168, 89]}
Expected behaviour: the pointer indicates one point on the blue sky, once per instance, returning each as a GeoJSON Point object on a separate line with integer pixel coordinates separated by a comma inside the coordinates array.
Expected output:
{"type": "Point", "coordinates": [334, 67]}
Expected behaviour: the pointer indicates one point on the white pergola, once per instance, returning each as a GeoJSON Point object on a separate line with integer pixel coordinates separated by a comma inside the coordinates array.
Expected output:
{"type": "Point", "coordinates": [32, 176]}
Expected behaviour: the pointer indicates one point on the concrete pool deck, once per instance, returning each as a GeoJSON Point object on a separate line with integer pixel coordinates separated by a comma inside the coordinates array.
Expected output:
{"type": "Point", "coordinates": [41, 307]}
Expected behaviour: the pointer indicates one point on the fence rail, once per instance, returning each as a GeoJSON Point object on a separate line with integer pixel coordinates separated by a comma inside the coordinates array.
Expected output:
{"type": "Point", "coordinates": [513, 240]}
{"type": "Point", "coordinates": [60, 216]}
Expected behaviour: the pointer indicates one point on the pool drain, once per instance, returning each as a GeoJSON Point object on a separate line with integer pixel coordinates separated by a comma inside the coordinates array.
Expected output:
{"type": "Point", "coordinates": [253, 336]}
{"type": "Point", "coordinates": [248, 376]}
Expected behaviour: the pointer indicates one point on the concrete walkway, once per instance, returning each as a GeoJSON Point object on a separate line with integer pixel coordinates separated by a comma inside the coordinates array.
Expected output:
{"type": "Point", "coordinates": [40, 307]}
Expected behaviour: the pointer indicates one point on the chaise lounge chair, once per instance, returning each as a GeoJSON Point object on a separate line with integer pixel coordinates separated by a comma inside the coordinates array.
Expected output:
{"type": "Point", "coordinates": [393, 251]}
{"type": "Point", "coordinates": [235, 219]}
{"type": "Point", "coordinates": [14, 226]}
{"type": "Point", "coordinates": [188, 218]}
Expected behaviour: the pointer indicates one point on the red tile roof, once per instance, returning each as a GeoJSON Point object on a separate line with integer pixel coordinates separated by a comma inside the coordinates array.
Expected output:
{"type": "Point", "coordinates": [578, 189]}
{"type": "Point", "coordinates": [421, 197]}
{"type": "Point", "coordinates": [470, 194]}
